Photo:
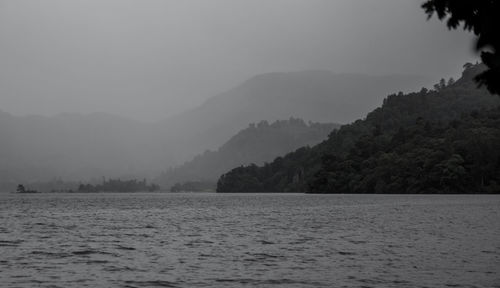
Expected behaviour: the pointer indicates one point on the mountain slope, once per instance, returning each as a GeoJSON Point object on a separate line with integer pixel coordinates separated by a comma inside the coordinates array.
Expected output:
{"type": "Point", "coordinates": [307, 169]}
{"type": "Point", "coordinates": [79, 147]}
{"type": "Point", "coordinates": [318, 96]}
{"type": "Point", "coordinates": [257, 144]}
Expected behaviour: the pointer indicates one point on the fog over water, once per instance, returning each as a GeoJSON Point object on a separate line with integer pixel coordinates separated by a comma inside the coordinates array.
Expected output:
{"type": "Point", "coordinates": [149, 59]}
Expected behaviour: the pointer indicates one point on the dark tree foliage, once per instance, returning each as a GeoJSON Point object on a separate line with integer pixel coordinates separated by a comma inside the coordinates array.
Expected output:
{"type": "Point", "coordinates": [22, 189]}
{"type": "Point", "coordinates": [460, 157]}
{"type": "Point", "coordinates": [482, 17]}
{"type": "Point", "coordinates": [425, 142]}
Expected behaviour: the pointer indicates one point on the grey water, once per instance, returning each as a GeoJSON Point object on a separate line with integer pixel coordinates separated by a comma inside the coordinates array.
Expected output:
{"type": "Point", "coordinates": [249, 240]}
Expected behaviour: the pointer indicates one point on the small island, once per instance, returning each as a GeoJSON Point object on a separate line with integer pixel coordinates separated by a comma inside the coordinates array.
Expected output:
{"type": "Point", "coordinates": [117, 185]}
{"type": "Point", "coordinates": [22, 189]}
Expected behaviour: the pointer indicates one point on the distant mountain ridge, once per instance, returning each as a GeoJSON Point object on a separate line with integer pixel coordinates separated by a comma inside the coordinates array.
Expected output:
{"type": "Point", "coordinates": [80, 147]}
{"type": "Point", "coordinates": [256, 144]}
{"type": "Point", "coordinates": [318, 96]}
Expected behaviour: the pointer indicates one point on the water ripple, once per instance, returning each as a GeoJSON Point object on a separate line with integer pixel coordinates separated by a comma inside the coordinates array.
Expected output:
{"type": "Point", "coordinates": [249, 240]}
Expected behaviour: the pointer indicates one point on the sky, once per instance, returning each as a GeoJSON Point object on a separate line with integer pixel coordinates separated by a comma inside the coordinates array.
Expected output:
{"type": "Point", "coordinates": [151, 59]}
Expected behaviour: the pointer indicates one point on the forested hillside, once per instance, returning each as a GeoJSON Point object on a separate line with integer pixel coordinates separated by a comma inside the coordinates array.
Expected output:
{"type": "Point", "coordinates": [434, 141]}
{"type": "Point", "coordinates": [257, 143]}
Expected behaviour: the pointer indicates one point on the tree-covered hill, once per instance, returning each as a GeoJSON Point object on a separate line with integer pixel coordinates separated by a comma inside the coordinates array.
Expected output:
{"type": "Point", "coordinates": [440, 140]}
{"type": "Point", "coordinates": [460, 157]}
{"type": "Point", "coordinates": [257, 143]}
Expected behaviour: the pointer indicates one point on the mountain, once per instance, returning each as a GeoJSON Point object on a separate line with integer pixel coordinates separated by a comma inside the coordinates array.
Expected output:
{"type": "Point", "coordinates": [442, 140]}
{"type": "Point", "coordinates": [79, 147]}
{"type": "Point", "coordinates": [318, 96]}
{"type": "Point", "coordinates": [257, 144]}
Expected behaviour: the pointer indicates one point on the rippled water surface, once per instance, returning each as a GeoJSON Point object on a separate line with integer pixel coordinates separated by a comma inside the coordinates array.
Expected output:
{"type": "Point", "coordinates": [276, 240]}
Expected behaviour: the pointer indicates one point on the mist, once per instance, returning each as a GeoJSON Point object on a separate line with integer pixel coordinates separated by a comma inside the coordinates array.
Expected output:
{"type": "Point", "coordinates": [178, 143]}
{"type": "Point", "coordinates": [151, 60]}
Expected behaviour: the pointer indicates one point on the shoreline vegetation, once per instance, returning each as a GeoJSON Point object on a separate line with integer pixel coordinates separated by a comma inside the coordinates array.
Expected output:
{"type": "Point", "coordinates": [107, 186]}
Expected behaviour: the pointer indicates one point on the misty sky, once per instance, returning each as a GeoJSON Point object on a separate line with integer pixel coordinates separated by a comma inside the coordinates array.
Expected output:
{"type": "Point", "coordinates": [150, 59]}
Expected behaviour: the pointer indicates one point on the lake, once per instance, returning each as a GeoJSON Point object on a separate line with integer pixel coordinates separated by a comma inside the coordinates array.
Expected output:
{"type": "Point", "coordinates": [249, 240]}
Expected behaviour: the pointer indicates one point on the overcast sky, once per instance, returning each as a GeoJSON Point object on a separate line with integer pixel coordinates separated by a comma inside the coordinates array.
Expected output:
{"type": "Point", "coordinates": [150, 59]}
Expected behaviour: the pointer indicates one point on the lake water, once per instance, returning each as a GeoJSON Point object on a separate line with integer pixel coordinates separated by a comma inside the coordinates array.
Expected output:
{"type": "Point", "coordinates": [251, 240]}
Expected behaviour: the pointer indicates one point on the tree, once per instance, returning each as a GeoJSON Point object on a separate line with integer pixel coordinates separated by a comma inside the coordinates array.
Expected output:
{"type": "Point", "coordinates": [482, 17]}
{"type": "Point", "coordinates": [451, 81]}
{"type": "Point", "coordinates": [20, 188]}
{"type": "Point", "coordinates": [441, 85]}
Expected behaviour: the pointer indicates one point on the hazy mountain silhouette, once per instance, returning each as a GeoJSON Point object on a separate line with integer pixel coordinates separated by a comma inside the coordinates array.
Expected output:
{"type": "Point", "coordinates": [78, 147]}
{"type": "Point", "coordinates": [257, 144]}
{"type": "Point", "coordinates": [318, 96]}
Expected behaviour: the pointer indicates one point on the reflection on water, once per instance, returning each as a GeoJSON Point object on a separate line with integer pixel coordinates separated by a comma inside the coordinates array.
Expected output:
{"type": "Point", "coordinates": [277, 240]}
